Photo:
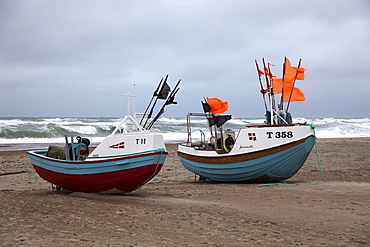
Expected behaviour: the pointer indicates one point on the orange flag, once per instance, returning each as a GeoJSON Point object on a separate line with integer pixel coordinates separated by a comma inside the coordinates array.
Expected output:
{"type": "Point", "coordinates": [291, 72]}
{"type": "Point", "coordinates": [287, 69]}
{"type": "Point", "coordinates": [297, 94]}
{"type": "Point", "coordinates": [300, 74]}
{"type": "Point", "coordinates": [268, 72]}
{"type": "Point", "coordinates": [277, 84]}
{"type": "Point", "coordinates": [217, 105]}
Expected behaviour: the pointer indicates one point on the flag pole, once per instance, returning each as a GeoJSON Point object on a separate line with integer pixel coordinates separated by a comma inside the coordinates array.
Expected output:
{"type": "Point", "coordinates": [295, 78]}
{"type": "Point", "coordinates": [169, 100]}
{"type": "Point", "coordinates": [281, 105]}
{"type": "Point", "coordinates": [266, 78]}
{"type": "Point", "coordinates": [155, 102]}
{"type": "Point", "coordinates": [154, 95]}
{"type": "Point", "coordinates": [270, 89]}
{"type": "Point", "coordinates": [273, 95]}
{"type": "Point", "coordinates": [263, 91]}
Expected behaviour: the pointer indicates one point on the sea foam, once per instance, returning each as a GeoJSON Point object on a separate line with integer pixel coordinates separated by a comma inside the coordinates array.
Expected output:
{"type": "Point", "coordinates": [20, 131]}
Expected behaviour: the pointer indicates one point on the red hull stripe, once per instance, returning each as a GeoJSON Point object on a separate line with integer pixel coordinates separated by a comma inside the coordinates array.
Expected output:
{"type": "Point", "coordinates": [126, 180]}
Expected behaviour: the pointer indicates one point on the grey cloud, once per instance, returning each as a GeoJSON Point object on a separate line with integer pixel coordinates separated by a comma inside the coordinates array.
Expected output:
{"type": "Point", "coordinates": [70, 53]}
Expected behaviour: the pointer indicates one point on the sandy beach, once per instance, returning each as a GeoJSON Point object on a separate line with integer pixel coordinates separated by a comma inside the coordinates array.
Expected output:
{"type": "Point", "coordinates": [174, 209]}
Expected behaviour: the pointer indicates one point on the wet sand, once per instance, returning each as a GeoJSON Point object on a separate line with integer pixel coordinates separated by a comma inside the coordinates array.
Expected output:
{"type": "Point", "coordinates": [176, 210]}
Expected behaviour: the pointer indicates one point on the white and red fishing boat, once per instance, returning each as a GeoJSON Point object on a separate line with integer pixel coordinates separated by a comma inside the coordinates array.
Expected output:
{"type": "Point", "coordinates": [124, 161]}
{"type": "Point", "coordinates": [269, 152]}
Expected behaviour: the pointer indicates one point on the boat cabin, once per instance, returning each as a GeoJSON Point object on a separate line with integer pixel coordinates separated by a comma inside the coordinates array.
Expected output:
{"type": "Point", "coordinates": [222, 141]}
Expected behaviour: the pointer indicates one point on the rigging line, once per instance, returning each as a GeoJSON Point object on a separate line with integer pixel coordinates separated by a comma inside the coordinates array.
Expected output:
{"type": "Point", "coordinates": [162, 152]}
{"type": "Point", "coordinates": [318, 164]}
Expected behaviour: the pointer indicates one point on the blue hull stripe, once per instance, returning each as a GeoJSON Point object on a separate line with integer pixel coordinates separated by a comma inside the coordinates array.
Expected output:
{"type": "Point", "coordinates": [277, 166]}
{"type": "Point", "coordinates": [94, 167]}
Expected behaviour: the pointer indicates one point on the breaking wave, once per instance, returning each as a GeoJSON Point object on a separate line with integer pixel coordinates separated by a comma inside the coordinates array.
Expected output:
{"type": "Point", "coordinates": [52, 130]}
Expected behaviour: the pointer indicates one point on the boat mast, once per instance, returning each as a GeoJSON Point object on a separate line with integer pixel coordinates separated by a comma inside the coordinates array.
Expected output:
{"type": "Point", "coordinates": [128, 102]}
{"type": "Point", "coordinates": [136, 126]}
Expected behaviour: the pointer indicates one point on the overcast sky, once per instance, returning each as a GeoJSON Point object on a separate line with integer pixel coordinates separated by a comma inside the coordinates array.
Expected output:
{"type": "Point", "coordinates": [75, 58]}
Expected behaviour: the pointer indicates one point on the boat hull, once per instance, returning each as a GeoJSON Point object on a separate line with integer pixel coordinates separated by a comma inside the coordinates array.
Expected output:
{"type": "Point", "coordinates": [123, 173]}
{"type": "Point", "coordinates": [270, 164]}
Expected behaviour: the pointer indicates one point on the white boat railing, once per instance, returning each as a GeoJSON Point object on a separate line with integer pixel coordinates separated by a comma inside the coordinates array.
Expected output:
{"type": "Point", "coordinates": [122, 126]}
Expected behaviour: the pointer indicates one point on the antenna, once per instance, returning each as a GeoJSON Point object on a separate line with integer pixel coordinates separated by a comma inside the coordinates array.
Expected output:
{"type": "Point", "coordinates": [134, 104]}
{"type": "Point", "coordinates": [128, 102]}
{"type": "Point", "coordinates": [136, 126]}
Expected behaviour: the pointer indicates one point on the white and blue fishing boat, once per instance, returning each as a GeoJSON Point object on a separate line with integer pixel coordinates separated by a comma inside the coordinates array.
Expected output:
{"type": "Point", "coordinates": [270, 152]}
{"type": "Point", "coordinates": [124, 161]}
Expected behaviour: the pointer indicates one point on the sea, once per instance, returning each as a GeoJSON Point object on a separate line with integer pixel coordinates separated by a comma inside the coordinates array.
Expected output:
{"type": "Point", "coordinates": [23, 133]}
